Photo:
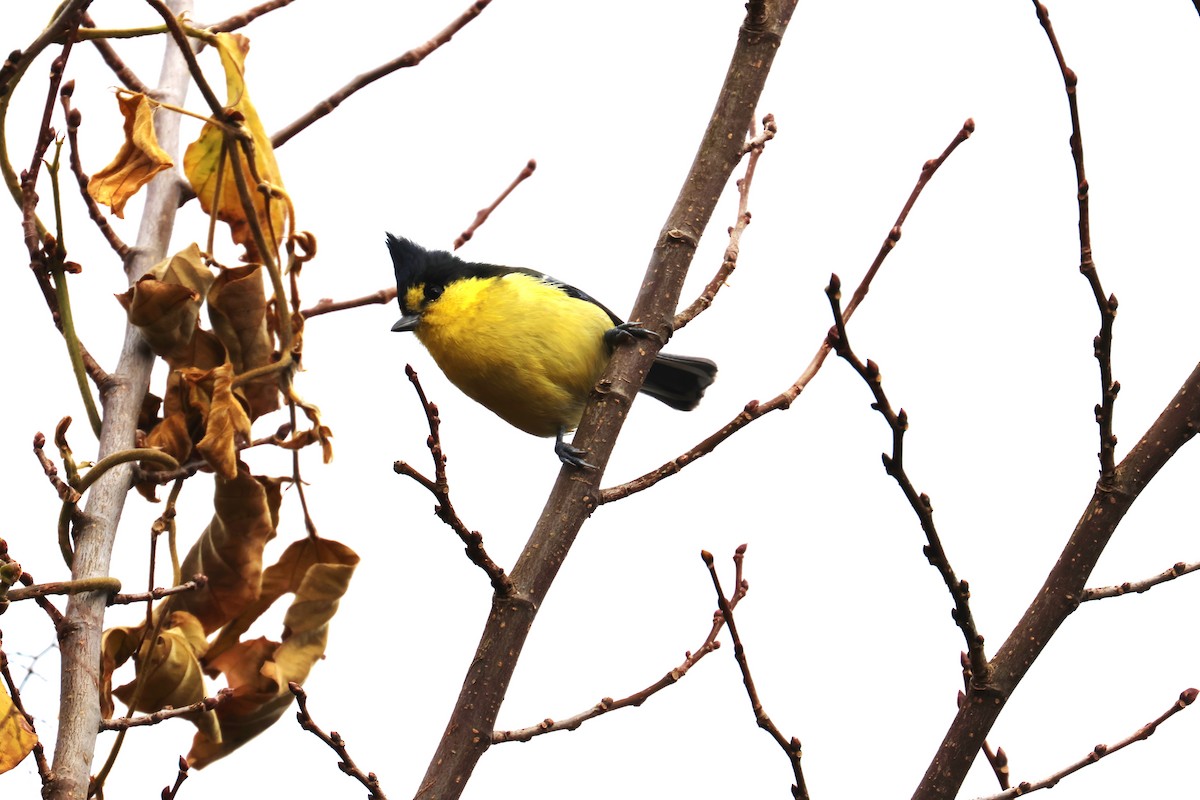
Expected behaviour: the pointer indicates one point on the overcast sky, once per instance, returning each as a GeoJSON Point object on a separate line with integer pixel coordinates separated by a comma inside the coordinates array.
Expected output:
{"type": "Point", "coordinates": [980, 322]}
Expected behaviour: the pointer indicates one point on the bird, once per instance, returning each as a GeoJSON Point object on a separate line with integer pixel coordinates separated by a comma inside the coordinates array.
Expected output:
{"type": "Point", "coordinates": [526, 346]}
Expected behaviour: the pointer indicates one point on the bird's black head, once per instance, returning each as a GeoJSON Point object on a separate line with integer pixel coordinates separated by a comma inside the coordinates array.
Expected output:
{"type": "Point", "coordinates": [421, 275]}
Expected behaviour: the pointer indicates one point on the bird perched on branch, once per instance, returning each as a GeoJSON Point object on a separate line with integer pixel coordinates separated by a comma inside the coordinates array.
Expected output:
{"type": "Point", "coordinates": [526, 346]}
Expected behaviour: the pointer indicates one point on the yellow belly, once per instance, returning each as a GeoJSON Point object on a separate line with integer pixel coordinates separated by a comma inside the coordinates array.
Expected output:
{"type": "Point", "coordinates": [520, 347]}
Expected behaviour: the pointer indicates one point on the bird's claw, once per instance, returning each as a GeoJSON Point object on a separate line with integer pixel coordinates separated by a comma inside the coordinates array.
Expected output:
{"type": "Point", "coordinates": [569, 454]}
{"type": "Point", "coordinates": [627, 331]}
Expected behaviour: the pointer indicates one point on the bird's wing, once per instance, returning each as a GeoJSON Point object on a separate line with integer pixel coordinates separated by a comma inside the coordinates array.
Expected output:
{"type": "Point", "coordinates": [570, 291]}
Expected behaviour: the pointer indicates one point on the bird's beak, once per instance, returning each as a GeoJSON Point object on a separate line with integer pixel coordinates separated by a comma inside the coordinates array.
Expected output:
{"type": "Point", "coordinates": [406, 323]}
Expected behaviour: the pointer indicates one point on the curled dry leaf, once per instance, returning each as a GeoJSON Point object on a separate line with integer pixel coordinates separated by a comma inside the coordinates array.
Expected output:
{"type": "Point", "coordinates": [16, 737]}
{"type": "Point", "coordinates": [230, 550]}
{"type": "Point", "coordinates": [226, 426]}
{"type": "Point", "coordinates": [202, 159]}
{"type": "Point", "coordinates": [237, 308]}
{"type": "Point", "coordinates": [165, 304]}
{"type": "Point", "coordinates": [317, 571]}
{"type": "Point", "coordinates": [168, 669]}
{"type": "Point", "coordinates": [139, 159]}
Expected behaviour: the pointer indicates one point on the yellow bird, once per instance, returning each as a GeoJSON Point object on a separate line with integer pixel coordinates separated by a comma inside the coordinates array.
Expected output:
{"type": "Point", "coordinates": [522, 344]}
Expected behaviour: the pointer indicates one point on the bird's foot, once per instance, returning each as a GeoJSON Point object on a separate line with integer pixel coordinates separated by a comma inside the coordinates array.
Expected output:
{"type": "Point", "coordinates": [627, 331]}
{"type": "Point", "coordinates": [569, 454]}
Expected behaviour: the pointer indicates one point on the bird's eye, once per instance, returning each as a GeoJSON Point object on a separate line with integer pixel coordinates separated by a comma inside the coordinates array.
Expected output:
{"type": "Point", "coordinates": [433, 291]}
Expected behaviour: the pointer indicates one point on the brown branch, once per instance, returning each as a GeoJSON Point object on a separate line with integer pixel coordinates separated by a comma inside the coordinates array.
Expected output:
{"type": "Point", "coordinates": [124, 74]}
{"type": "Point", "coordinates": [1137, 587]}
{"type": "Point", "coordinates": [921, 505]}
{"type": "Point", "coordinates": [482, 214]}
{"type": "Point", "coordinates": [200, 706]}
{"type": "Point", "coordinates": [1107, 305]}
{"type": "Point", "coordinates": [468, 731]}
{"type": "Point", "coordinates": [1063, 589]}
{"type": "Point", "coordinates": [249, 15]}
{"type": "Point", "coordinates": [14, 692]}
{"type": "Point", "coordinates": [790, 747]}
{"type": "Point", "coordinates": [439, 487]}
{"type": "Point", "coordinates": [335, 742]}
{"type": "Point", "coordinates": [196, 583]}
{"type": "Point", "coordinates": [410, 59]}
{"type": "Point", "coordinates": [328, 306]}
{"type": "Point", "coordinates": [1186, 698]}
{"type": "Point", "coordinates": [781, 402]}
{"type": "Point", "coordinates": [754, 146]}
{"type": "Point", "coordinates": [169, 792]}
{"type": "Point", "coordinates": [97, 216]}
{"type": "Point", "coordinates": [634, 700]}
{"type": "Point", "coordinates": [65, 492]}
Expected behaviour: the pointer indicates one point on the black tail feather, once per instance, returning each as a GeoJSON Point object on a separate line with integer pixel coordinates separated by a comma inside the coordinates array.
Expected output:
{"type": "Point", "coordinates": [679, 381]}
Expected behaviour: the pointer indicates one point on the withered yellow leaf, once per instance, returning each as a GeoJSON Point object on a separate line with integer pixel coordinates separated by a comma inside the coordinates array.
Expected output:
{"type": "Point", "coordinates": [139, 159]}
{"type": "Point", "coordinates": [202, 159]}
{"type": "Point", "coordinates": [169, 672]}
{"type": "Point", "coordinates": [16, 736]}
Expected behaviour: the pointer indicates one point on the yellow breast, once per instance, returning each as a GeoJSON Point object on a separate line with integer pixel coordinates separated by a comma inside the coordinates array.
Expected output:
{"type": "Point", "coordinates": [521, 347]}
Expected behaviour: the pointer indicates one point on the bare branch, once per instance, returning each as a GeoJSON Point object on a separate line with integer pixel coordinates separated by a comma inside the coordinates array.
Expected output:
{"type": "Point", "coordinates": [368, 779]}
{"type": "Point", "coordinates": [921, 505]}
{"type": "Point", "coordinates": [754, 409]}
{"type": "Point", "coordinates": [482, 215]}
{"type": "Point", "coordinates": [1137, 587]}
{"type": "Point", "coordinates": [754, 146]}
{"type": "Point", "coordinates": [1186, 698]}
{"type": "Point", "coordinates": [409, 59]}
{"type": "Point", "coordinates": [439, 487]}
{"type": "Point", "coordinates": [327, 306]}
{"type": "Point", "coordinates": [200, 706]}
{"type": "Point", "coordinates": [249, 15]}
{"type": "Point", "coordinates": [790, 747]}
{"type": "Point", "coordinates": [1106, 305]}
{"type": "Point", "coordinates": [637, 698]}
{"type": "Point", "coordinates": [196, 583]}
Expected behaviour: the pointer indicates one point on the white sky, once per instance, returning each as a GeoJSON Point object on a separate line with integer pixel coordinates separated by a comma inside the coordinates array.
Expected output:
{"type": "Point", "coordinates": [980, 321]}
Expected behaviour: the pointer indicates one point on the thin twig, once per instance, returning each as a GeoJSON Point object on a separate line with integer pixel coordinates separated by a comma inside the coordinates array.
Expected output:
{"type": "Point", "coordinates": [368, 779]}
{"type": "Point", "coordinates": [754, 146]}
{"type": "Point", "coordinates": [791, 747]}
{"type": "Point", "coordinates": [169, 792]}
{"type": "Point", "coordinates": [1186, 698]}
{"type": "Point", "coordinates": [1137, 587]}
{"type": "Point", "coordinates": [482, 214]}
{"type": "Point", "coordinates": [249, 15]}
{"type": "Point", "coordinates": [409, 59]}
{"type": "Point", "coordinates": [64, 490]}
{"type": "Point", "coordinates": [327, 306]}
{"type": "Point", "coordinates": [196, 583]}
{"type": "Point", "coordinates": [124, 74]}
{"type": "Point", "coordinates": [439, 487]}
{"type": "Point", "coordinates": [754, 409]}
{"type": "Point", "coordinates": [207, 704]}
{"type": "Point", "coordinates": [960, 591]}
{"type": "Point", "coordinates": [1106, 305]}
{"type": "Point", "coordinates": [97, 216]}
{"type": "Point", "coordinates": [637, 698]}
